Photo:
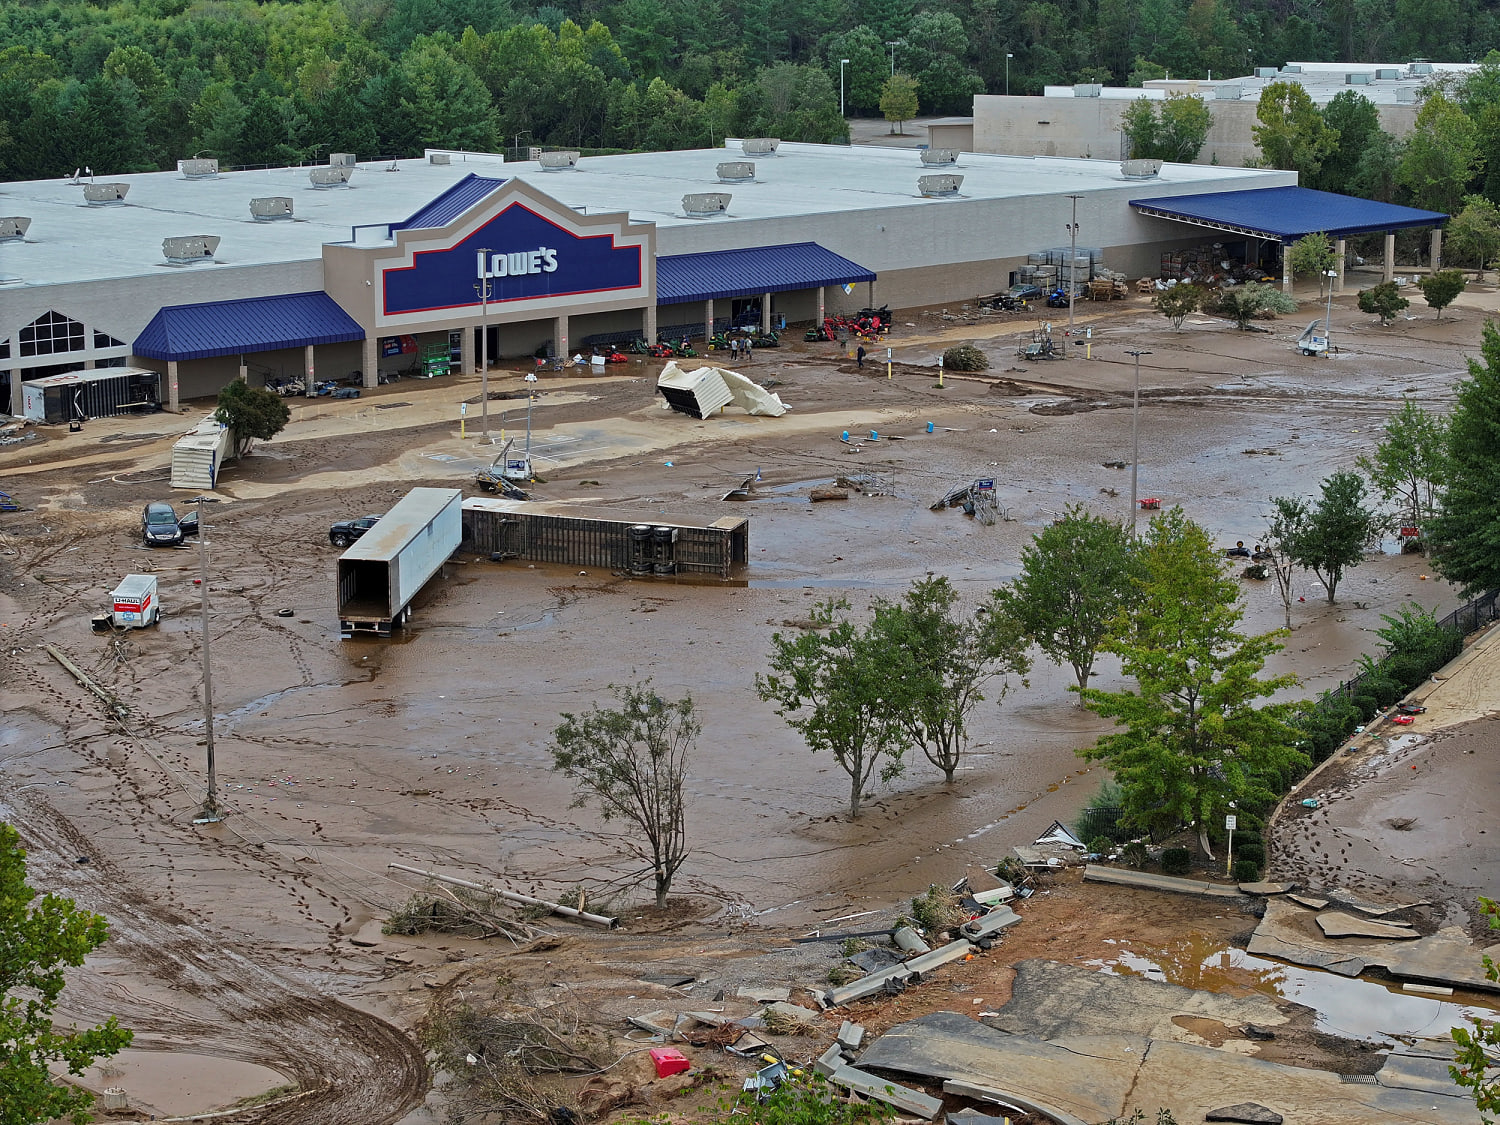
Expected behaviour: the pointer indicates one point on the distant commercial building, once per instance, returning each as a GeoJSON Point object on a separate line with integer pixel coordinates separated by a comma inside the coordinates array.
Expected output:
{"type": "Point", "coordinates": [1084, 120]}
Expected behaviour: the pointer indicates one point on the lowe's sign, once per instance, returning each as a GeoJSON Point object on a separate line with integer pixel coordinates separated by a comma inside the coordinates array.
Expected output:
{"type": "Point", "coordinates": [520, 255]}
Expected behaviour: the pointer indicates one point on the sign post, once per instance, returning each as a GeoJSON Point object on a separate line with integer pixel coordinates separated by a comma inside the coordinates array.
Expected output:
{"type": "Point", "coordinates": [463, 419]}
{"type": "Point", "coordinates": [1229, 823]}
{"type": "Point", "coordinates": [887, 363]}
{"type": "Point", "coordinates": [940, 371]}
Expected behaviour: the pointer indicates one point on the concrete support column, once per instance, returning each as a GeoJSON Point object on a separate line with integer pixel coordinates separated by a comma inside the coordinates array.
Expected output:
{"type": "Point", "coordinates": [174, 398]}
{"type": "Point", "coordinates": [467, 352]}
{"type": "Point", "coordinates": [648, 323]}
{"type": "Point", "coordinates": [309, 371]}
{"type": "Point", "coordinates": [88, 365]}
{"type": "Point", "coordinates": [1340, 251]}
{"type": "Point", "coordinates": [822, 303]}
{"type": "Point", "coordinates": [1436, 253]}
{"type": "Point", "coordinates": [1388, 273]}
{"type": "Point", "coordinates": [872, 295]}
{"type": "Point", "coordinates": [560, 336]}
{"type": "Point", "coordinates": [244, 374]}
{"type": "Point", "coordinates": [708, 320]}
{"type": "Point", "coordinates": [370, 360]}
{"type": "Point", "coordinates": [1286, 268]}
{"type": "Point", "coordinates": [765, 314]}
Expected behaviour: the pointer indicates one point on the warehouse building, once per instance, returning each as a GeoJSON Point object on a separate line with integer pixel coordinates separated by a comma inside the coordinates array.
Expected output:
{"type": "Point", "coordinates": [203, 276]}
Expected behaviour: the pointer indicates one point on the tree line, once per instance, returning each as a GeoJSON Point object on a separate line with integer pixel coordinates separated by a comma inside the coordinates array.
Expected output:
{"type": "Point", "coordinates": [136, 85]}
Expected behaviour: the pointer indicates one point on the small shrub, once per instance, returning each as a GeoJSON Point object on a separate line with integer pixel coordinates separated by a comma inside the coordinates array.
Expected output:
{"type": "Point", "coordinates": [1252, 850]}
{"type": "Point", "coordinates": [1101, 845]}
{"type": "Point", "coordinates": [937, 909]}
{"type": "Point", "coordinates": [1246, 870]}
{"type": "Point", "coordinates": [842, 974]}
{"type": "Point", "coordinates": [965, 357]}
{"type": "Point", "coordinates": [1136, 854]}
{"type": "Point", "coordinates": [1177, 861]}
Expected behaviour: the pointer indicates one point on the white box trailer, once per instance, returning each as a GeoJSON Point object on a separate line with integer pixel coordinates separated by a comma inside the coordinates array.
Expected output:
{"type": "Point", "coordinates": [76, 396]}
{"type": "Point", "coordinates": [381, 573]}
{"type": "Point", "coordinates": [198, 456]}
{"type": "Point", "coordinates": [135, 602]}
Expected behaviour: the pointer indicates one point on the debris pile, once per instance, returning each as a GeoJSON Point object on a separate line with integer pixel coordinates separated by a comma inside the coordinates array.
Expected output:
{"type": "Point", "coordinates": [702, 391]}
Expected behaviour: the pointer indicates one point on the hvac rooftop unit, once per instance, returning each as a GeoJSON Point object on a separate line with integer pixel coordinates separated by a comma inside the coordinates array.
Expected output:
{"type": "Point", "coordinates": [13, 227]}
{"type": "Point", "coordinates": [1387, 74]}
{"type": "Point", "coordinates": [1359, 78]}
{"type": "Point", "coordinates": [196, 169]}
{"type": "Point", "coordinates": [1405, 95]}
{"type": "Point", "coordinates": [1087, 90]}
{"type": "Point", "coordinates": [736, 172]}
{"type": "Point", "coordinates": [1266, 72]}
{"type": "Point", "coordinates": [187, 249]}
{"type": "Point", "coordinates": [341, 159]}
{"type": "Point", "coordinates": [938, 157]}
{"type": "Point", "coordinates": [760, 146]}
{"type": "Point", "coordinates": [103, 195]}
{"type": "Point", "coordinates": [270, 207]}
{"type": "Point", "coordinates": [705, 204]}
{"type": "Point", "coordinates": [1140, 169]}
{"type": "Point", "coordinates": [1292, 68]}
{"type": "Point", "coordinates": [333, 176]}
{"type": "Point", "coordinates": [1420, 66]}
{"type": "Point", "coordinates": [1230, 92]}
{"type": "Point", "coordinates": [443, 158]}
{"type": "Point", "coordinates": [559, 161]}
{"type": "Point", "coordinates": [936, 187]}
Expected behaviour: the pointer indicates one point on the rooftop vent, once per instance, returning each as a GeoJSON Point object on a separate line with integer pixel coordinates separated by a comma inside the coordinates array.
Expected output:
{"type": "Point", "coordinates": [736, 172]}
{"type": "Point", "coordinates": [1140, 169]}
{"type": "Point", "coordinates": [341, 159]}
{"type": "Point", "coordinates": [1291, 68]}
{"type": "Point", "coordinates": [936, 187]}
{"type": "Point", "coordinates": [760, 146]}
{"type": "Point", "coordinates": [1087, 90]}
{"type": "Point", "coordinates": [1420, 66]}
{"type": "Point", "coordinates": [1359, 78]}
{"type": "Point", "coordinates": [559, 161]}
{"type": "Point", "coordinates": [13, 228]}
{"type": "Point", "coordinates": [440, 158]}
{"type": "Point", "coordinates": [937, 157]}
{"type": "Point", "coordinates": [1229, 92]}
{"type": "Point", "coordinates": [333, 176]}
{"type": "Point", "coordinates": [1387, 74]}
{"type": "Point", "coordinates": [102, 195]}
{"type": "Point", "coordinates": [187, 249]}
{"type": "Point", "coordinates": [705, 204]}
{"type": "Point", "coordinates": [1266, 72]}
{"type": "Point", "coordinates": [269, 207]}
{"type": "Point", "coordinates": [1406, 95]}
{"type": "Point", "coordinates": [196, 169]}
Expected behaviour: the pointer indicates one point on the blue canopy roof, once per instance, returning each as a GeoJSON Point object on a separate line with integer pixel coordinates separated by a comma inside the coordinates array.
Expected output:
{"type": "Point", "coordinates": [250, 324]}
{"type": "Point", "coordinates": [762, 269]}
{"type": "Point", "coordinates": [1287, 212]}
{"type": "Point", "coordinates": [443, 209]}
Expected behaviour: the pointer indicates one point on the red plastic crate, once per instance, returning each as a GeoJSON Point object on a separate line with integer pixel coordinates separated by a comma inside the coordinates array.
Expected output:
{"type": "Point", "coordinates": [668, 1060]}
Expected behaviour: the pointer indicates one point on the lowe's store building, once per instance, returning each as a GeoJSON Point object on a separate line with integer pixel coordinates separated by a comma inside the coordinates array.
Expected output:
{"type": "Point", "coordinates": [204, 277]}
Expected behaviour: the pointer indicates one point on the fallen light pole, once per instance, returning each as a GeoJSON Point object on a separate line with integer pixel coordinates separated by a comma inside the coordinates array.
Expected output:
{"type": "Point", "coordinates": [510, 896]}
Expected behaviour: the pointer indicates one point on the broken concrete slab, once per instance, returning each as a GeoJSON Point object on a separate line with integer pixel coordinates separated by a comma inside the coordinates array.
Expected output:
{"type": "Point", "coordinates": [1009, 1101]}
{"type": "Point", "coordinates": [941, 956]}
{"type": "Point", "coordinates": [983, 879]}
{"type": "Point", "coordinates": [1337, 924]}
{"type": "Point", "coordinates": [902, 1097]}
{"type": "Point", "coordinates": [1419, 1071]}
{"type": "Point", "coordinates": [1312, 902]}
{"type": "Point", "coordinates": [976, 929]}
{"type": "Point", "coordinates": [369, 935]}
{"type": "Point", "coordinates": [1124, 877]}
{"type": "Point", "coordinates": [875, 959]}
{"type": "Point", "coordinates": [1370, 907]}
{"type": "Point", "coordinates": [659, 1022]}
{"type": "Point", "coordinates": [851, 1036]}
{"type": "Point", "coordinates": [867, 986]}
{"type": "Point", "coordinates": [829, 1061]}
{"type": "Point", "coordinates": [1288, 932]}
{"type": "Point", "coordinates": [973, 1117]}
{"type": "Point", "coordinates": [1266, 888]}
{"type": "Point", "coordinates": [763, 993]}
{"type": "Point", "coordinates": [1248, 1113]}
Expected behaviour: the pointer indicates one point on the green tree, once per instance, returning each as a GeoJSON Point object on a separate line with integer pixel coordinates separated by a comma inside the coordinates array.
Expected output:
{"type": "Point", "coordinates": [1076, 576]}
{"type": "Point", "coordinates": [898, 100]}
{"type": "Point", "coordinates": [1476, 1068]}
{"type": "Point", "coordinates": [1292, 133]}
{"type": "Point", "coordinates": [1175, 302]}
{"type": "Point", "coordinates": [1474, 233]}
{"type": "Point", "coordinates": [1173, 129]}
{"type": "Point", "coordinates": [1384, 300]}
{"type": "Point", "coordinates": [447, 103]}
{"type": "Point", "coordinates": [1194, 740]}
{"type": "Point", "coordinates": [1243, 303]}
{"type": "Point", "coordinates": [251, 413]}
{"type": "Point", "coordinates": [38, 937]}
{"type": "Point", "coordinates": [1464, 535]}
{"type": "Point", "coordinates": [938, 663]}
{"type": "Point", "coordinates": [1312, 253]}
{"type": "Point", "coordinates": [1284, 530]}
{"type": "Point", "coordinates": [1441, 156]}
{"type": "Point", "coordinates": [630, 761]}
{"type": "Point", "coordinates": [1356, 120]}
{"type": "Point", "coordinates": [1408, 464]}
{"type": "Point", "coordinates": [1141, 125]}
{"type": "Point", "coordinates": [829, 683]}
{"type": "Point", "coordinates": [1440, 289]}
{"type": "Point", "coordinates": [1375, 172]}
{"type": "Point", "coordinates": [1331, 535]}
{"type": "Point", "coordinates": [866, 71]}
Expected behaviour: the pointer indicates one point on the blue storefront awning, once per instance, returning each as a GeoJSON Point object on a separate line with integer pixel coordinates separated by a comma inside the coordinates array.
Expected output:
{"type": "Point", "coordinates": [250, 324]}
{"type": "Point", "coordinates": [761, 269]}
{"type": "Point", "coordinates": [1287, 212]}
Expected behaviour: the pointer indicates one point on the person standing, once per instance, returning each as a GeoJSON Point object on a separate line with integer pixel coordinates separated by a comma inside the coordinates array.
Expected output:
{"type": "Point", "coordinates": [859, 356]}
{"type": "Point", "coordinates": [749, 348]}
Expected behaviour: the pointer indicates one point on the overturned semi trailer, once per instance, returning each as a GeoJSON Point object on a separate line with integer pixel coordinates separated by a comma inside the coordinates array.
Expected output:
{"type": "Point", "coordinates": [636, 544]}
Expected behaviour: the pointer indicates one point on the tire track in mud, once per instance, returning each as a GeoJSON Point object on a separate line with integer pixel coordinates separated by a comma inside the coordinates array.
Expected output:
{"type": "Point", "coordinates": [355, 1068]}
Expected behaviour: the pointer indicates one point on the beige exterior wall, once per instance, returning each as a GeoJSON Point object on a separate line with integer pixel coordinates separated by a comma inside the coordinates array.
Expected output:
{"type": "Point", "coordinates": [1090, 127]}
{"type": "Point", "coordinates": [959, 138]}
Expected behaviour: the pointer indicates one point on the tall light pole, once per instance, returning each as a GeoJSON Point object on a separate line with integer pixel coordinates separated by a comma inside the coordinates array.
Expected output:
{"type": "Point", "coordinates": [1135, 436]}
{"type": "Point", "coordinates": [1008, 57]}
{"type": "Point", "coordinates": [483, 289]}
{"type": "Point", "coordinates": [893, 44]}
{"type": "Point", "coordinates": [1072, 261]}
{"type": "Point", "coordinates": [209, 813]}
{"type": "Point", "coordinates": [842, 63]}
{"type": "Point", "coordinates": [1328, 316]}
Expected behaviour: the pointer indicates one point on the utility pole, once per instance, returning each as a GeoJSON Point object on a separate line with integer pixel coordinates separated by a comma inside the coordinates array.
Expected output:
{"type": "Point", "coordinates": [1135, 436]}
{"type": "Point", "coordinates": [209, 813]}
{"type": "Point", "coordinates": [842, 63]}
{"type": "Point", "coordinates": [1072, 261]}
{"type": "Point", "coordinates": [1008, 57]}
{"type": "Point", "coordinates": [483, 289]}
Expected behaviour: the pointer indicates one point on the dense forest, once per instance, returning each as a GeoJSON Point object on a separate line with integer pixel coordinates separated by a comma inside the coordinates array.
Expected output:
{"type": "Point", "coordinates": [138, 84]}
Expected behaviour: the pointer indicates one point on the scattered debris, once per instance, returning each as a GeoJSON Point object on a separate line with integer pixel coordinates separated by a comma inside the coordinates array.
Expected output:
{"type": "Point", "coordinates": [1249, 1113]}
{"type": "Point", "coordinates": [1336, 923]}
{"type": "Point", "coordinates": [902, 1097]}
{"type": "Point", "coordinates": [820, 494]}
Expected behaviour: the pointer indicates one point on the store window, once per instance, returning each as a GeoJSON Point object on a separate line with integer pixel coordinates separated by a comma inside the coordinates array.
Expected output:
{"type": "Point", "coordinates": [51, 334]}
{"type": "Point", "coordinates": [105, 340]}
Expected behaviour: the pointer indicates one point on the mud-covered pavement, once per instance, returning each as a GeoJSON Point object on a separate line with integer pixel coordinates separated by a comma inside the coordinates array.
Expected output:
{"type": "Point", "coordinates": [337, 758]}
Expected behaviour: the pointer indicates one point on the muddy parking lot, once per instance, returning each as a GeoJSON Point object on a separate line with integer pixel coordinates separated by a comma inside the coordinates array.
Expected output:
{"type": "Point", "coordinates": [337, 758]}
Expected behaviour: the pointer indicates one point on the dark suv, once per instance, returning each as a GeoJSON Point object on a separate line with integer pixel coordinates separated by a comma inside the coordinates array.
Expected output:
{"type": "Point", "coordinates": [345, 532]}
{"type": "Point", "coordinates": [160, 526]}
